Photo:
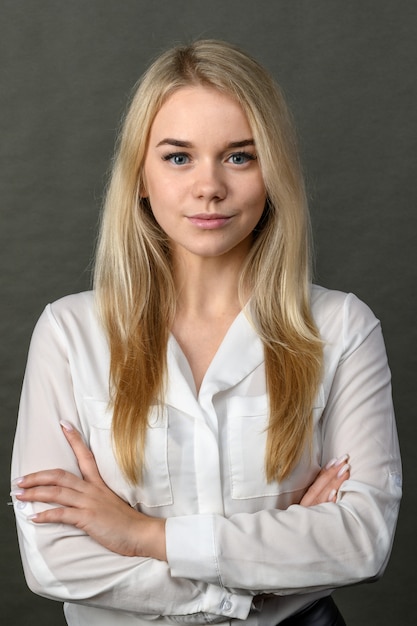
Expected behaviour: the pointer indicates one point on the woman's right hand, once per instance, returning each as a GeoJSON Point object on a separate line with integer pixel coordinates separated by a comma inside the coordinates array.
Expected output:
{"type": "Point", "coordinates": [90, 505]}
{"type": "Point", "coordinates": [327, 482]}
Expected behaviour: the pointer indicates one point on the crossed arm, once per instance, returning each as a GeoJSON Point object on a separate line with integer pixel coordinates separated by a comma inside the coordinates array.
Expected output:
{"type": "Point", "coordinates": [347, 541]}
{"type": "Point", "coordinates": [87, 503]}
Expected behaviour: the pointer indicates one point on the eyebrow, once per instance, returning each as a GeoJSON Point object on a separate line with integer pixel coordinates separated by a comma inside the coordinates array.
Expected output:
{"type": "Point", "coordinates": [187, 144]}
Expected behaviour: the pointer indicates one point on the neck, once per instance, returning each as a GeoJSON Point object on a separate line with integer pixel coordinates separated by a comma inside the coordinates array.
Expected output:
{"type": "Point", "coordinates": [207, 287]}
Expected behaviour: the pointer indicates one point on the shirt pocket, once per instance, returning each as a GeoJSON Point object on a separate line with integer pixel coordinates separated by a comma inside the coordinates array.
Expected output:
{"type": "Point", "coordinates": [155, 487]}
{"type": "Point", "coordinates": [247, 423]}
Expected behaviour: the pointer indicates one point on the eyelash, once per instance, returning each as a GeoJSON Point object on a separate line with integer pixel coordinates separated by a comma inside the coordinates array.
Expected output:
{"type": "Point", "coordinates": [172, 155]}
{"type": "Point", "coordinates": [248, 156]}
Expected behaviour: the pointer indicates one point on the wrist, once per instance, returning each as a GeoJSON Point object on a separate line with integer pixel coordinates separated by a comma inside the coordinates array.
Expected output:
{"type": "Point", "coordinates": [152, 543]}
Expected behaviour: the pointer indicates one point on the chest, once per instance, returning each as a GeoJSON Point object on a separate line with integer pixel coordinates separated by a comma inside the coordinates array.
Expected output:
{"type": "Point", "coordinates": [200, 340]}
{"type": "Point", "coordinates": [205, 456]}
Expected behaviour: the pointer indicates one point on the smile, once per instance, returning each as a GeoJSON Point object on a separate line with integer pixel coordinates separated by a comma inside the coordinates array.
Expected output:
{"type": "Point", "coordinates": [207, 221]}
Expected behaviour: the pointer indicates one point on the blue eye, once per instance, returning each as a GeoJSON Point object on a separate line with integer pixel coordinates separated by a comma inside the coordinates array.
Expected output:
{"type": "Point", "coordinates": [177, 158]}
{"type": "Point", "coordinates": [240, 158]}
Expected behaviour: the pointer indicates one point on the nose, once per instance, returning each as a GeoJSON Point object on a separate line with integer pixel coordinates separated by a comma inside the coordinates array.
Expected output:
{"type": "Point", "coordinates": [209, 183]}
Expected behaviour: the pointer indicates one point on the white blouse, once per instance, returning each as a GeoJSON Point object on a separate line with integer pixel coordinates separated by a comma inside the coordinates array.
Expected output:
{"type": "Point", "coordinates": [239, 548]}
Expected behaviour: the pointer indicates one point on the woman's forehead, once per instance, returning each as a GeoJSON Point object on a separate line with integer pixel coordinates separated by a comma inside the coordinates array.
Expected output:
{"type": "Point", "coordinates": [200, 109]}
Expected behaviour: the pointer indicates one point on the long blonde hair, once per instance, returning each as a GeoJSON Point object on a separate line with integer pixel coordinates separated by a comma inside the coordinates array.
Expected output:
{"type": "Point", "coordinates": [133, 275]}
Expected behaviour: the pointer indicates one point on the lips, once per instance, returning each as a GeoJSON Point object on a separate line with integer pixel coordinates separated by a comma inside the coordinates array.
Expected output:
{"type": "Point", "coordinates": [209, 221]}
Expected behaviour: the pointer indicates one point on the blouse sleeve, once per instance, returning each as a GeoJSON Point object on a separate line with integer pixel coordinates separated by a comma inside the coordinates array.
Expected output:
{"type": "Point", "coordinates": [333, 544]}
{"type": "Point", "coordinates": [60, 561]}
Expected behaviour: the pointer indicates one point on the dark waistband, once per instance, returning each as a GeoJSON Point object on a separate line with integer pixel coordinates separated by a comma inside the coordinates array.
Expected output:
{"type": "Point", "coordinates": [323, 612]}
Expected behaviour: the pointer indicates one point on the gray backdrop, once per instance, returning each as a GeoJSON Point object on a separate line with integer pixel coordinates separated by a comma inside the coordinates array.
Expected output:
{"type": "Point", "coordinates": [348, 69]}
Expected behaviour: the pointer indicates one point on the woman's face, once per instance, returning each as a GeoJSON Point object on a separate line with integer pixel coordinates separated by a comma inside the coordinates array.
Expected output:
{"type": "Point", "coordinates": [202, 176]}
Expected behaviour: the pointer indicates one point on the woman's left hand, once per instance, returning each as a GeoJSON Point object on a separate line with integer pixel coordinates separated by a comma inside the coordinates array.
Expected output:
{"type": "Point", "coordinates": [327, 482]}
{"type": "Point", "coordinates": [90, 505]}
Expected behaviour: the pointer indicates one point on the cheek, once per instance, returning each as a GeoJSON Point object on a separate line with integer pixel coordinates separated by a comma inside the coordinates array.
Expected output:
{"type": "Point", "coordinates": [163, 206]}
{"type": "Point", "coordinates": [162, 192]}
{"type": "Point", "coordinates": [256, 200]}
{"type": "Point", "coordinates": [255, 188]}
{"type": "Point", "coordinates": [159, 215]}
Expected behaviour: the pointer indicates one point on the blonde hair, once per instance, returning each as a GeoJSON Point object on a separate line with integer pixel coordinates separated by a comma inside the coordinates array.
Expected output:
{"type": "Point", "coordinates": [133, 275]}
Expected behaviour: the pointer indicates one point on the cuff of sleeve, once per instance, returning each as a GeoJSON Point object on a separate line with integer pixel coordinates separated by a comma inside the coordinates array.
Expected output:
{"type": "Point", "coordinates": [219, 601]}
{"type": "Point", "coordinates": [191, 551]}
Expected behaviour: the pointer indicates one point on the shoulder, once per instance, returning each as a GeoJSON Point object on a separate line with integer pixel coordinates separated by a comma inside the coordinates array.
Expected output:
{"type": "Point", "coordinates": [75, 306]}
{"type": "Point", "coordinates": [71, 315]}
{"type": "Point", "coordinates": [341, 317]}
{"type": "Point", "coordinates": [69, 344]}
{"type": "Point", "coordinates": [330, 302]}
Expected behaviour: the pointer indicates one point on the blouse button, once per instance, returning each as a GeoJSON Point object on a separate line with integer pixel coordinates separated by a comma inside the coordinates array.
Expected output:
{"type": "Point", "coordinates": [226, 605]}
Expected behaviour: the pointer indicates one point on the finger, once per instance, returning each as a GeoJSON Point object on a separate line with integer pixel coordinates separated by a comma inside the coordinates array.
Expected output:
{"type": "Point", "coordinates": [343, 473]}
{"type": "Point", "coordinates": [52, 494]}
{"type": "Point", "coordinates": [327, 482]}
{"type": "Point", "coordinates": [328, 478]}
{"type": "Point", "coordinates": [336, 462]}
{"type": "Point", "coordinates": [85, 457]}
{"type": "Point", "coordinates": [59, 515]}
{"type": "Point", "coordinates": [334, 471]}
{"type": "Point", "coordinates": [50, 477]}
{"type": "Point", "coordinates": [52, 487]}
{"type": "Point", "coordinates": [48, 516]}
{"type": "Point", "coordinates": [335, 484]}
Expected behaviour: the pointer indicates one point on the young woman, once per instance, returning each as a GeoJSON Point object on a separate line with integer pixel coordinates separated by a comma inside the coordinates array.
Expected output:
{"type": "Point", "coordinates": [181, 449]}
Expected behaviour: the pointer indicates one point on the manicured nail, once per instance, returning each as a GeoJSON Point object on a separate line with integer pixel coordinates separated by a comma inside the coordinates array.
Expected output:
{"type": "Point", "coordinates": [66, 425]}
{"type": "Point", "coordinates": [331, 463]}
{"type": "Point", "coordinates": [341, 460]}
{"type": "Point", "coordinates": [17, 492]}
{"type": "Point", "coordinates": [32, 517]}
{"type": "Point", "coordinates": [343, 470]}
{"type": "Point", "coordinates": [20, 505]}
{"type": "Point", "coordinates": [17, 481]}
{"type": "Point", "coordinates": [332, 495]}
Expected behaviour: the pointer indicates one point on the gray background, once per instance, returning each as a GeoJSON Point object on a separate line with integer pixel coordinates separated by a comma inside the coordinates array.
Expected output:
{"type": "Point", "coordinates": [348, 69]}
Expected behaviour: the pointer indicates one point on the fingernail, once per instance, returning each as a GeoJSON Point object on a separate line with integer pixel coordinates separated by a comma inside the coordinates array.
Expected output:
{"type": "Point", "coordinates": [341, 460]}
{"type": "Point", "coordinates": [20, 505]}
{"type": "Point", "coordinates": [332, 494]}
{"type": "Point", "coordinates": [66, 425]}
{"type": "Point", "coordinates": [331, 463]}
{"type": "Point", "coordinates": [17, 481]}
{"type": "Point", "coordinates": [32, 517]}
{"type": "Point", "coordinates": [343, 470]}
{"type": "Point", "coordinates": [17, 492]}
